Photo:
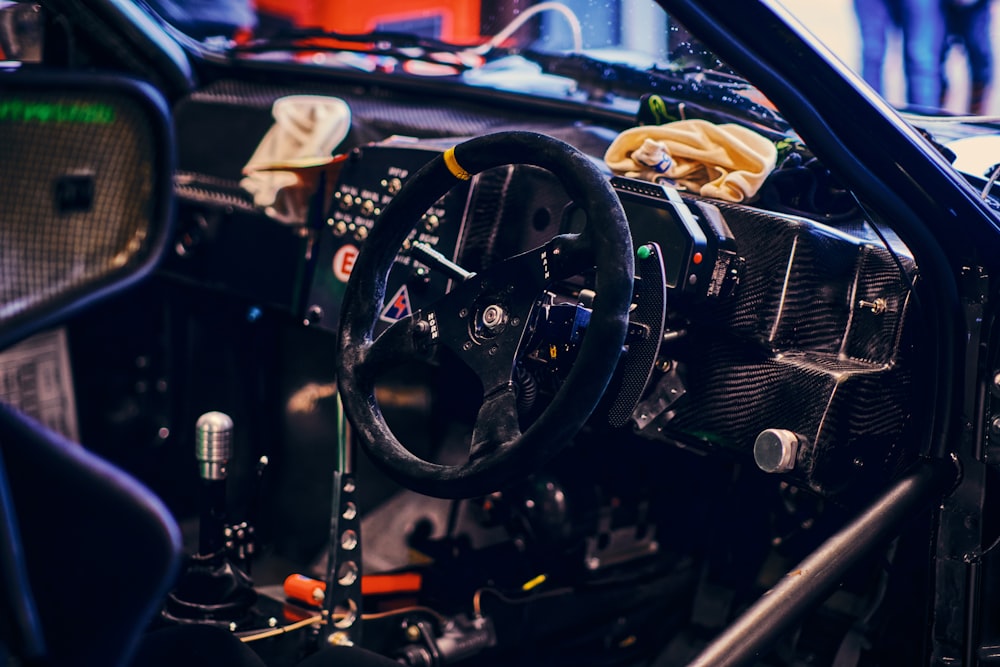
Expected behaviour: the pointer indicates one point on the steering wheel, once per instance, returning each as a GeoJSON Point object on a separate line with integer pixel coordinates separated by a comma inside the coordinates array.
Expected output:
{"type": "Point", "coordinates": [486, 318]}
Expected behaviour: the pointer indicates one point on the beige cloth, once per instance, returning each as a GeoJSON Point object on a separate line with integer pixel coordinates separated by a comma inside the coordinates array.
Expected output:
{"type": "Point", "coordinates": [306, 130]}
{"type": "Point", "coordinates": [727, 161]}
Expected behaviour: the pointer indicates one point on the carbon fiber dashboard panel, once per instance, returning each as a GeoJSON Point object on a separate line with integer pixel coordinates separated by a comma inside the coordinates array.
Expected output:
{"type": "Point", "coordinates": [221, 124]}
{"type": "Point", "coordinates": [812, 342]}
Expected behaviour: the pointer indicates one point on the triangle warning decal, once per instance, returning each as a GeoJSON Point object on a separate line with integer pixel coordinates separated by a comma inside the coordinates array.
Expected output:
{"type": "Point", "coordinates": [398, 307]}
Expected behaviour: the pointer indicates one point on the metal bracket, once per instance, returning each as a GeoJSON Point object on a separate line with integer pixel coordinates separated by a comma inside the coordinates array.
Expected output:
{"type": "Point", "coordinates": [342, 601]}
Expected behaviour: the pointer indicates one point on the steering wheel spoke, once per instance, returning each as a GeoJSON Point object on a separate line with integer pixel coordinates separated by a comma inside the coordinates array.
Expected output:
{"type": "Point", "coordinates": [569, 255]}
{"type": "Point", "coordinates": [404, 341]}
{"type": "Point", "coordinates": [496, 424]}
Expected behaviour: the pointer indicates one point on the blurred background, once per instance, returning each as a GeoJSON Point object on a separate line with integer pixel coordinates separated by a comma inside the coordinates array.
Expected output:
{"type": "Point", "coordinates": [835, 23]}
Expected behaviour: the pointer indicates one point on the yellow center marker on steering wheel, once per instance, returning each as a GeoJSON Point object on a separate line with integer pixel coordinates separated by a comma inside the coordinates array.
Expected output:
{"type": "Point", "coordinates": [454, 167]}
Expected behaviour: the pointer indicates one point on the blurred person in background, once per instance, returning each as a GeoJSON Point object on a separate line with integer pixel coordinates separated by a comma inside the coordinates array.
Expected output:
{"type": "Point", "coordinates": [967, 24]}
{"type": "Point", "coordinates": [921, 24]}
{"type": "Point", "coordinates": [877, 19]}
{"type": "Point", "coordinates": [923, 37]}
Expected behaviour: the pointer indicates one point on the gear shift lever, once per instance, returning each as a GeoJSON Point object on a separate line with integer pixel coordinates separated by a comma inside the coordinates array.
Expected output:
{"type": "Point", "coordinates": [211, 589]}
{"type": "Point", "coordinates": [213, 449]}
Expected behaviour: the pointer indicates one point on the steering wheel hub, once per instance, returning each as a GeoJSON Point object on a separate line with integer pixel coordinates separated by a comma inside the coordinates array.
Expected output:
{"type": "Point", "coordinates": [490, 322]}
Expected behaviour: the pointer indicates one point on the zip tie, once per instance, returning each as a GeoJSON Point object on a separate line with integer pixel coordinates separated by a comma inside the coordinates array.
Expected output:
{"type": "Point", "coordinates": [532, 583]}
{"type": "Point", "coordinates": [454, 167]}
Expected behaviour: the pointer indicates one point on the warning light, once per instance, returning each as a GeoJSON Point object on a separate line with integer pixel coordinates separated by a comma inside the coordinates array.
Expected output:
{"type": "Point", "coordinates": [697, 258]}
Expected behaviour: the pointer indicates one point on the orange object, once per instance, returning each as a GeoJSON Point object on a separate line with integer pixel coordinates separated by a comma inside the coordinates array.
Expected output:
{"type": "Point", "coordinates": [455, 21]}
{"type": "Point", "coordinates": [311, 591]}
{"type": "Point", "coordinates": [304, 589]}
{"type": "Point", "coordinates": [390, 584]}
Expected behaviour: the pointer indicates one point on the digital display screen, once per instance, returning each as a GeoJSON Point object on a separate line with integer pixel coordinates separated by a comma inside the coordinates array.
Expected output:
{"type": "Point", "coordinates": [662, 225]}
{"type": "Point", "coordinates": [56, 112]}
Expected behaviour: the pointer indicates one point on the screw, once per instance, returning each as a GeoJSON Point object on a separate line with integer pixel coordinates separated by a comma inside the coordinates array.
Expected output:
{"type": "Point", "coordinates": [340, 639]}
{"type": "Point", "coordinates": [877, 306]}
{"type": "Point", "coordinates": [313, 315]}
{"type": "Point", "coordinates": [995, 428]}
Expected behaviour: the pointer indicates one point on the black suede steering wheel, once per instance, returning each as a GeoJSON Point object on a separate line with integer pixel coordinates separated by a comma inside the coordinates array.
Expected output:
{"type": "Point", "coordinates": [485, 319]}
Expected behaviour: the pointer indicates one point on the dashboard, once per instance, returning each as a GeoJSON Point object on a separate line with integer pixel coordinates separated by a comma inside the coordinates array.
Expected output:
{"type": "Point", "coordinates": [569, 414]}
{"type": "Point", "coordinates": [756, 334]}
{"type": "Point", "coordinates": [772, 347]}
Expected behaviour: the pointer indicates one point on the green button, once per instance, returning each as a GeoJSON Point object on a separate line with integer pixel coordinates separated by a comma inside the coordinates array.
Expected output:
{"type": "Point", "coordinates": [644, 252]}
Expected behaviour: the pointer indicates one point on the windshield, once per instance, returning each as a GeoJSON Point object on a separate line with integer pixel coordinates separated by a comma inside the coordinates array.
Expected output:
{"type": "Point", "coordinates": [604, 54]}
{"type": "Point", "coordinates": [627, 61]}
{"type": "Point", "coordinates": [512, 45]}
{"type": "Point", "coordinates": [938, 61]}
{"type": "Point", "coordinates": [936, 58]}
{"type": "Point", "coordinates": [546, 48]}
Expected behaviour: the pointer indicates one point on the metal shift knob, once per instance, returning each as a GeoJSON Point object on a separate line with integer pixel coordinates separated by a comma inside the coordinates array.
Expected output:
{"type": "Point", "coordinates": [213, 444]}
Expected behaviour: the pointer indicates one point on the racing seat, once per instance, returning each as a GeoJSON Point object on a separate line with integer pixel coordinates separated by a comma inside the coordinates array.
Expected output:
{"type": "Point", "coordinates": [88, 552]}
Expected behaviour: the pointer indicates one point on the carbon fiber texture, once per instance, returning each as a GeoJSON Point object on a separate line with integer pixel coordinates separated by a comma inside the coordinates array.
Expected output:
{"type": "Point", "coordinates": [76, 194]}
{"type": "Point", "coordinates": [423, 116]}
{"type": "Point", "coordinates": [804, 283]}
{"type": "Point", "coordinates": [812, 342]}
{"type": "Point", "coordinates": [220, 125]}
{"type": "Point", "coordinates": [649, 312]}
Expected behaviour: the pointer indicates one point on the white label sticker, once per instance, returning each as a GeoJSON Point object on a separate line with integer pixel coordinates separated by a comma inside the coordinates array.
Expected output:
{"type": "Point", "coordinates": [343, 262]}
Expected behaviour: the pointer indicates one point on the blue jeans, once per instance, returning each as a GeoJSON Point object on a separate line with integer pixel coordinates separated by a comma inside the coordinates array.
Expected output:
{"type": "Point", "coordinates": [970, 27]}
{"type": "Point", "coordinates": [923, 40]}
{"type": "Point", "coordinates": [876, 19]}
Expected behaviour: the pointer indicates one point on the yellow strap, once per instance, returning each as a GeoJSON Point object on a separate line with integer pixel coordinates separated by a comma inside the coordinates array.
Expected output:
{"type": "Point", "coordinates": [454, 167]}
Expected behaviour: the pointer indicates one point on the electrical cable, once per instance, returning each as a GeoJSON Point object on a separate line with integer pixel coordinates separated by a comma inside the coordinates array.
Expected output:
{"type": "Point", "coordinates": [513, 26]}
{"type": "Point", "coordinates": [318, 619]}
{"type": "Point", "coordinates": [905, 277]}
{"type": "Point", "coordinates": [477, 597]}
{"type": "Point", "coordinates": [407, 47]}
{"type": "Point", "coordinates": [402, 611]}
{"type": "Point", "coordinates": [274, 632]}
{"type": "Point", "coordinates": [985, 194]}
